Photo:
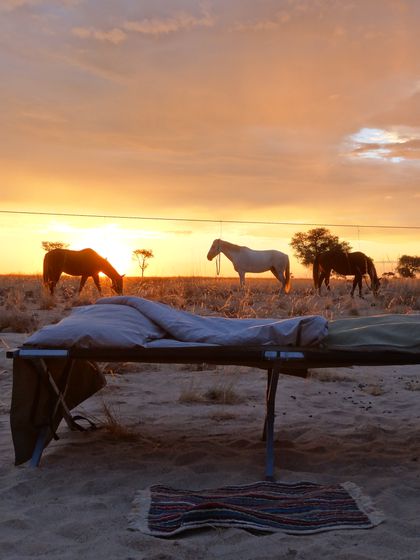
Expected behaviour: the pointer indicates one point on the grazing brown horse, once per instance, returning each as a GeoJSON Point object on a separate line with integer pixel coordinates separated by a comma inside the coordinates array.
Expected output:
{"type": "Point", "coordinates": [82, 263]}
{"type": "Point", "coordinates": [347, 264]}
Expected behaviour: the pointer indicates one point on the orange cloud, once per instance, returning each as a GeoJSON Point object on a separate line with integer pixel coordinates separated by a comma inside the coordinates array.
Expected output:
{"type": "Point", "coordinates": [114, 35]}
{"type": "Point", "coordinates": [163, 26]}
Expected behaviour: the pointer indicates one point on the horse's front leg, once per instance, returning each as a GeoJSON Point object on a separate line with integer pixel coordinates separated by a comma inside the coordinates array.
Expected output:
{"type": "Point", "coordinates": [241, 278]}
{"type": "Point", "coordinates": [97, 283]}
{"type": "Point", "coordinates": [82, 282]}
{"type": "Point", "coordinates": [357, 281]}
{"type": "Point", "coordinates": [360, 286]}
{"type": "Point", "coordinates": [52, 283]}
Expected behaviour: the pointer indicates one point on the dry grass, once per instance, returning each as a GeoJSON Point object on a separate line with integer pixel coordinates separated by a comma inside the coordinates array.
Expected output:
{"type": "Point", "coordinates": [330, 375]}
{"type": "Point", "coordinates": [114, 427]}
{"type": "Point", "coordinates": [222, 392]}
{"type": "Point", "coordinates": [120, 368]}
{"type": "Point", "coordinates": [25, 305]}
{"type": "Point", "coordinates": [373, 390]}
{"type": "Point", "coordinates": [18, 322]}
{"type": "Point", "coordinates": [191, 395]}
{"type": "Point", "coordinates": [222, 395]}
{"type": "Point", "coordinates": [221, 416]}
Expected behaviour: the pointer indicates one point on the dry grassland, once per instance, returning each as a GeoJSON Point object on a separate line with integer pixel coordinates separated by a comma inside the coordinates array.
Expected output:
{"type": "Point", "coordinates": [25, 305]}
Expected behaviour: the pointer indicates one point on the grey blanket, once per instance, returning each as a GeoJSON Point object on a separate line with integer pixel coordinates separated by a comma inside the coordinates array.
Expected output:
{"type": "Point", "coordinates": [130, 322]}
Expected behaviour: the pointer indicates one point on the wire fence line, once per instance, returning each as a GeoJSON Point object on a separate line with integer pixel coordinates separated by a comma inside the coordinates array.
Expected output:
{"type": "Point", "coordinates": [204, 220]}
{"type": "Point", "coordinates": [116, 242]}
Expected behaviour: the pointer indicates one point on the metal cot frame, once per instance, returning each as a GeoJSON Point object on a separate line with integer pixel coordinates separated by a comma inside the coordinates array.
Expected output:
{"type": "Point", "coordinates": [275, 360]}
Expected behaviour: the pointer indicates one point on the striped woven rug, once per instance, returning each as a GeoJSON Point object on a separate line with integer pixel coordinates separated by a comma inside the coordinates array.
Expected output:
{"type": "Point", "coordinates": [296, 508]}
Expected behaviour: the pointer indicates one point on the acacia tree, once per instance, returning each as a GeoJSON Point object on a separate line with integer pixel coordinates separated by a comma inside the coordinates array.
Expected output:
{"type": "Point", "coordinates": [50, 245]}
{"type": "Point", "coordinates": [141, 256]}
{"type": "Point", "coordinates": [307, 246]}
{"type": "Point", "coordinates": [408, 267]}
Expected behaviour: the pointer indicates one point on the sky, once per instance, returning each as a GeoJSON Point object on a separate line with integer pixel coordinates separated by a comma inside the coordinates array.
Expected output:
{"type": "Point", "coordinates": [232, 112]}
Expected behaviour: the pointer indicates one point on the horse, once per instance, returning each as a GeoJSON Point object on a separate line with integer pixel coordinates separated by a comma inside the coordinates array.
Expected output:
{"type": "Point", "coordinates": [347, 264]}
{"type": "Point", "coordinates": [248, 260]}
{"type": "Point", "coordinates": [82, 263]}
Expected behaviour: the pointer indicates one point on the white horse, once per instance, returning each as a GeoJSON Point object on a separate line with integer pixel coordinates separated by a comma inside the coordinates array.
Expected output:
{"type": "Point", "coordinates": [248, 260]}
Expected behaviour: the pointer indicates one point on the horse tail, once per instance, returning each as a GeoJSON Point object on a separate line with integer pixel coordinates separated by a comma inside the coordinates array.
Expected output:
{"type": "Point", "coordinates": [287, 276]}
{"type": "Point", "coordinates": [52, 268]}
{"type": "Point", "coordinates": [46, 270]}
{"type": "Point", "coordinates": [315, 272]}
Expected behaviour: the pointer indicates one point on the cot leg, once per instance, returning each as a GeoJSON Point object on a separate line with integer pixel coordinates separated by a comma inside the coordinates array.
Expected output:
{"type": "Point", "coordinates": [267, 392]}
{"type": "Point", "coordinates": [267, 397]}
{"type": "Point", "coordinates": [46, 431]}
{"type": "Point", "coordinates": [39, 447]}
{"type": "Point", "coordinates": [272, 380]}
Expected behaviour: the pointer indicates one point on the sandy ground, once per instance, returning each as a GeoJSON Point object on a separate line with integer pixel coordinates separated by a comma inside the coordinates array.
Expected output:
{"type": "Point", "coordinates": [359, 425]}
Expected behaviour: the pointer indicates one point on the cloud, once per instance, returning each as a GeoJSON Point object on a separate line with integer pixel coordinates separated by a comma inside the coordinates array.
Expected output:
{"type": "Point", "coordinates": [114, 35]}
{"type": "Point", "coordinates": [395, 145]}
{"type": "Point", "coordinates": [11, 5]}
{"type": "Point", "coordinates": [43, 117]}
{"type": "Point", "coordinates": [147, 26]}
{"type": "Point", "coordinates": [269, 24]}
{"type": "Point", "coordinates": [174, 24]}
{"type": "Point", "coordinates": [309, 15]}
{"type": "Point", "coordinates": [180, 232]}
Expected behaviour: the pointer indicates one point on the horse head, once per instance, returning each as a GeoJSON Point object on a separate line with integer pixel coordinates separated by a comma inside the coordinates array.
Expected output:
{"type": "Point", "coordinates": [374, 280]}
{"type": "Point", "coordinates": [117, 284]}
{"type": "Point", "coordinates": [376, 284]}
{"type": "Point", "coordinates": [214, 249]}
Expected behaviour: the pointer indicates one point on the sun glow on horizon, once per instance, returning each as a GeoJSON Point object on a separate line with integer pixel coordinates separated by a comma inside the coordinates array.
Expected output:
{"type": "Point", "coordinates": [111, 241]}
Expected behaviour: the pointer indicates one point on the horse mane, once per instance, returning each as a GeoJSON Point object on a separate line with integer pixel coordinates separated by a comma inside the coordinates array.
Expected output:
{"type": "Point", "coordinates": [107, 267]}
{"type": "Point", "coordinates": [232, 245]}
{"type": "Point", "coordinates": [371, 268]}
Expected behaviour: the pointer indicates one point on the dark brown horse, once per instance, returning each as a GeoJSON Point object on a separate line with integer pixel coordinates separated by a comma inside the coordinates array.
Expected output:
{"type": "Point", "coordinates": [82, 263]}
{"type": "Point", "coordinates": [347, 264]}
